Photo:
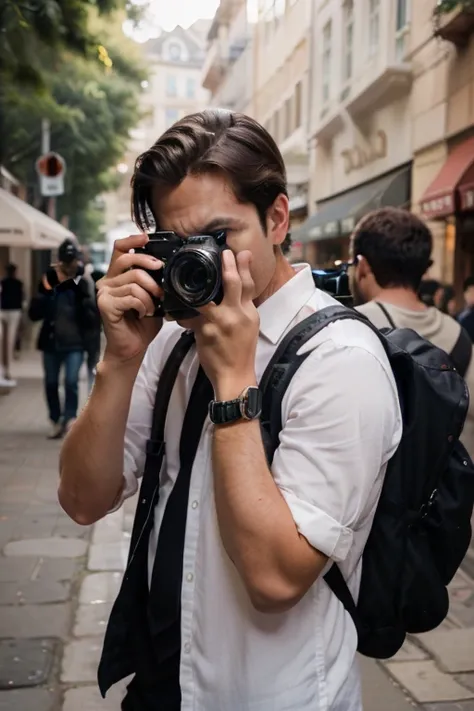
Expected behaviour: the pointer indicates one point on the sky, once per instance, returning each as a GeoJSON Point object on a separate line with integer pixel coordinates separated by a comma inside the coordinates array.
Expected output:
{"type": "Point", "coordinates": [169, 13]}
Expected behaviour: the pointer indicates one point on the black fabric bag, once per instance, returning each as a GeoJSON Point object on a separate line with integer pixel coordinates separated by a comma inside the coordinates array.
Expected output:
{"type": "Point", "coordinates": [422, 525]}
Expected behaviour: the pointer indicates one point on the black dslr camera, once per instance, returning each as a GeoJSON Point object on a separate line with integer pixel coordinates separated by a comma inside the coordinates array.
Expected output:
{"type": "Point", "coordinates": [192, 272]}
{"type": "Point", "coordinates": [335, 282]}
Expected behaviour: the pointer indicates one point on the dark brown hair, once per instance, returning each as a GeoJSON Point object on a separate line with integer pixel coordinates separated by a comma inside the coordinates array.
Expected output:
{"type": "Point", "coordinates": [396, 244]}
{"type": "Point", "coordinates": [211, 141]}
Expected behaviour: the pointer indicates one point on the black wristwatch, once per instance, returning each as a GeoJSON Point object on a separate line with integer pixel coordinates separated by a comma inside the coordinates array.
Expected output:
{"type": "Point", "coordinates": [247, 406]}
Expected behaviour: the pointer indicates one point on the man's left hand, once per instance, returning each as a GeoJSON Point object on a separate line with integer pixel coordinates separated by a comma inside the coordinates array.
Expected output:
{"type": "Point", "coordinates": [227, 334]}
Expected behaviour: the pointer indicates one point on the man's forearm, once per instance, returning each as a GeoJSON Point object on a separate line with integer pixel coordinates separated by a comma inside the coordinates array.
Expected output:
{"type": "Point", "coordinates": [91, 463]}
{"type": "Point", "coordinates": [276, 564]}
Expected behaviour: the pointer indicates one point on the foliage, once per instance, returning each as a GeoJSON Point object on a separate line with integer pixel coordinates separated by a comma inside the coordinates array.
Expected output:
{"type": "Point", "coordinates": [91, 102]}
{"type": "Point", "coordinates": [446, 6]}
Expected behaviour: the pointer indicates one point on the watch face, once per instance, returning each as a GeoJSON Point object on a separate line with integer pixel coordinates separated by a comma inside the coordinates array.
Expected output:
{"type": "Point", "coordinates": [252, 403]}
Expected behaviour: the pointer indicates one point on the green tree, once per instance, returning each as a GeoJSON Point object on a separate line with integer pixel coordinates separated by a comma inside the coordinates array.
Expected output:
{"type": "Point", "coordinates": [92, 104]}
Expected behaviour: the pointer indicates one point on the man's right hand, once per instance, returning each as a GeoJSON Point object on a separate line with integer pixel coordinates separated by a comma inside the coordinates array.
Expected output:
{"type": "Point", "coordinates": [125, 301]}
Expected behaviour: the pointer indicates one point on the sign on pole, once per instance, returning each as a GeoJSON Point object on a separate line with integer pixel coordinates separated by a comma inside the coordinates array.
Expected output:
{"type": "Point", "coordinates": [51, 168]}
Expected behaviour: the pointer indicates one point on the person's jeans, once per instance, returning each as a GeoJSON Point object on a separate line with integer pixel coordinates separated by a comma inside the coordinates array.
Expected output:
{"type": "Point", "coordinates": [52, 362]}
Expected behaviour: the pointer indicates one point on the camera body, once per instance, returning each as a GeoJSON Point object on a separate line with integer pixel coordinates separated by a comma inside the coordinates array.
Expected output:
{"type": "Point", "coordinates": [335, 282]}
{"type": "Point", "coordinates": [192, 272]}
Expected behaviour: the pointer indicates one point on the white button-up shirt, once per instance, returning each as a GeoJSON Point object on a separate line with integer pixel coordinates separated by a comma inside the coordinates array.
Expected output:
{"type": "Point", "coordinates": [341, 424]}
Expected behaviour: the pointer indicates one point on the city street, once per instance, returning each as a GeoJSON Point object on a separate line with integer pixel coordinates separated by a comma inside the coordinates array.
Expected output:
{"type": "Point", "coordinates": [58, 580]}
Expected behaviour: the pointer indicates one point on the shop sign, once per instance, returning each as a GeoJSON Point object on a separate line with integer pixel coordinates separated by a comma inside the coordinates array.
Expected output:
{"type": "Point", "coordinates": [358, 157]}
{"type": "Point", "coordinates": [438, 207]}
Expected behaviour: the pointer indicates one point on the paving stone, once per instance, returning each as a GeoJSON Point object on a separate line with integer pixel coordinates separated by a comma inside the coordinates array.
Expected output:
{"type": "Point", "coordinates": [91, 620]}
{"type": "Point", "coordinates": [26, 662]}
{"type": "Point", "coordinates": [460, 706]}
{"type": "Point", "coordinates": [109, 529]}
{"type": "Point", "coordinates": [47, 547]}
{"type": "Point", "coordinates": [27, 700]}
{"type": "Point", "coordinates": [108, 556]}
{"type": "Point", "coordinates": [426, 683]}
{"type": "Point", "coordinates": [59, 569]}
{"type": "Point", "coordinates": [466, 680]}
{"type": "Point", "coordinates": [33, 591]}
{"type": "Point", "coordinates": [35, 620]}
{"type": "Point", "coordinates": [409, 652]}
{"type": "Point", "coordinates": [81, 660]}
{"type": "Point", "coordinates": [452, 649]}
{"type": "Point", "coordinates": [97, 588]}
{"type": "Point", "coordinates": [14, 569]}
{"type": "Point", "coordinates": [379, 692]}
{"type": "Point", "coordinates": [88, 698]}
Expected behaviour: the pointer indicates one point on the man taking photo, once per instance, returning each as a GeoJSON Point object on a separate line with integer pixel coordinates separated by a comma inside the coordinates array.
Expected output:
{"type": "Point", "coordinates": [223, 606]}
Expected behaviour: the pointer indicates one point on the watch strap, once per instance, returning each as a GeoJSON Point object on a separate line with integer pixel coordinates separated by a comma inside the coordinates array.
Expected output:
{"type": "Point", "coordinates": [222, 413]}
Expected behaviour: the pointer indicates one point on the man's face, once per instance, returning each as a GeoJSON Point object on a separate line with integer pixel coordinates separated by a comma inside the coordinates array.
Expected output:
{"type": "Point", "coordinates": [205, 204]}
{"type": "Point", "coordinates": [356, 280]}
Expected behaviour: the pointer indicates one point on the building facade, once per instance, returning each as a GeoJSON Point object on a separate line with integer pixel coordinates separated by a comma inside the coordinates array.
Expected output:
{"type": "Point", "coordinates": [281, 92]}
{"type": "Point", "coordinates": [174, 61]}
{"type": "Point", "coordinates": [442, 48]}
{"type": "Point", "coordinates": [227, 69]}
{"type": "Point", "coordinates": [359, 119]}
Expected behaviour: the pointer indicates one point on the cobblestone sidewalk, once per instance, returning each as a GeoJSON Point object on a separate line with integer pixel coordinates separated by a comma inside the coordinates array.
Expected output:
{"type": "Point", "coordinates": [58, 581]}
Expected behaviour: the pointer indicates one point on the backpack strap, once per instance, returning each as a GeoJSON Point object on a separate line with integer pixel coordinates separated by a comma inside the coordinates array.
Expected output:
{"type": "Point", "coordinates": [286, 361]}
{"type": "Point", "coordinates": [154, 446]}
{"type": "Point", "coordinates": [386, 314]}
{"type": "Point", "coordinates": [274, 382]}
{"type": "Point", "coordinates": [461, 353]}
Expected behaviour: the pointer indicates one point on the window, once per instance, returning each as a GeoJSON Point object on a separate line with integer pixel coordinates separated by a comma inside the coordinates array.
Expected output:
{"type": "Point", "coordinates": [348, 43]}
{"type": "Point", "coordinates": [402, 21]}
{"type": "Point", "coordinates": [171, 116]}
{"type": "Point", "coordinates": [171, 85]}
{"type": "Point", "coordinates": [276, 126]}
{"type": "Point", "coordinates": [326, 63]}
{"type": "Point", "coordinates": [298, 104]}
{"type": "Point", "coordinates": [191, 88]}
{"type": "Point", "coordinates": [175, 51]}
{"type": "Point", "coordinates": [374, 26]}
{"type": "Point", "coordinates": [287, 118]}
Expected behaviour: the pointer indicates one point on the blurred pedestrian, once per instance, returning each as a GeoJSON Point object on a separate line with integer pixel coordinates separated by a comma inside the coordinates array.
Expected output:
{"type": "Point", "coordinates": [466, 317]}
{"type": "Point", "coordinates": [431, 292]}
{"type": "Point", "coordinates": [448, 301]}
{"type": "Point", "coordinates": [67, 314]}
{"type": "Point", "coordinates": [392, 250]}
{"type": "Point", "coordinates": [11, 304]}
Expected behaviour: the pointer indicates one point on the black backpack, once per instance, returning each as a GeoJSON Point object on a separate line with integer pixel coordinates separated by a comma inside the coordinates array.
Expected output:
{"type": "Point", "coordinates": [422, 526]}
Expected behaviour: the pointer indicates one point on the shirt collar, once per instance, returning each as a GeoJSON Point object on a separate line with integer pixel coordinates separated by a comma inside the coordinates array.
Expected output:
{"type": "Point", "coordinates": [279, 310]}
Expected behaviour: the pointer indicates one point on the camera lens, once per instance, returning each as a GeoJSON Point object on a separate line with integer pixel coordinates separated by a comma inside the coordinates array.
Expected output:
{"type": "Point", "coordinates": [194, 276]}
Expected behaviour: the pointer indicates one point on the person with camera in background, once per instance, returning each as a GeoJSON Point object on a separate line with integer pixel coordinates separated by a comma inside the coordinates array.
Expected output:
{"type": "Point", "coordinates": [223, 606]}
{"type": "Point", "coordinates": [67, 317]}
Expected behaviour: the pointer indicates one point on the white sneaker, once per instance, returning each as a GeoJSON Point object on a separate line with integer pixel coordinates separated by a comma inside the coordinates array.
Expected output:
{"type": "Point", "coordinates": [6, 385]}
{"type": "Point", "coordinates": [69, 425]}
{"type": "Point", "coordinates": [56, 431]}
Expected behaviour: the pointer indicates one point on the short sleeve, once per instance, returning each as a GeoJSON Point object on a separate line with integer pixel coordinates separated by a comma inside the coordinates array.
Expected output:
{"type": "Point", "coordinates": [140, 414]}
{"type": "Point", "coordinates": [342, 424]}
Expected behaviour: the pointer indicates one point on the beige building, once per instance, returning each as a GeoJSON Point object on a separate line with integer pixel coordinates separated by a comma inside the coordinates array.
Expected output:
{"type": "Point", "coordinates": [281, 91]}
{"type": "Point", "coordinates": [359, 125]}
{"type": "Point", "coordinates": [173, 90]}
{"type": "Point", "coordinates": [442, 54]}
{"type": "Point", "coordinates": [228, 67]}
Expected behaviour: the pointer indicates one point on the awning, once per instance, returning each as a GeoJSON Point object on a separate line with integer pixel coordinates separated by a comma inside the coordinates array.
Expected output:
{"type": "Point", "coordinates": [453, 188]}
{"type": "Point", "coordinates": [21, 225]}
{"type": "Point", "coordinates": [339, 215]}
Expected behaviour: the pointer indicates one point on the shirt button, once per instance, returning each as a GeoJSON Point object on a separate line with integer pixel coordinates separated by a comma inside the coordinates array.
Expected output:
{"type": "Point", "coordinates": [194, 505]}
{"type": "Point", "coordinates": [190, 577]}
{"type": "Point", "coordinates": [187, 647]}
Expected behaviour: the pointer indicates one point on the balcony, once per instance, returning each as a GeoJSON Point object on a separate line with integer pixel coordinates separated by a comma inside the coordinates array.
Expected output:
{"type": "Point", "coordinates": [454, 21]}
{"type": "Point", "coordinates": [329, 123]}
{"type": "Point", "coordinates": [214, 66]}
{"type": "Point", "coordinates": [384, 87]}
